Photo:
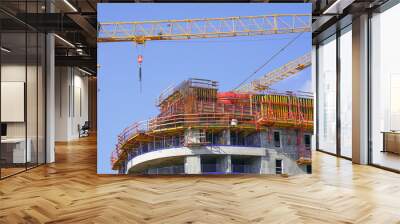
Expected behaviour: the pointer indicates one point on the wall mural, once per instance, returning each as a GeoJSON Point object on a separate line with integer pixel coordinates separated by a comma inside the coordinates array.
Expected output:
{"type": "Point", "coordinates": [204, 89]}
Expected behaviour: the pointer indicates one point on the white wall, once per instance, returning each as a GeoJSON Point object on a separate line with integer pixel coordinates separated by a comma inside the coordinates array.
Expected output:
{"type": "Point", "coordinates": [12, 73]}
{"type": "Point", "coordinates": [33, 126]}
{"type": "Point", "coordinates": [81, 111]}
{"type": "Point", "coordinates": [71, 102]}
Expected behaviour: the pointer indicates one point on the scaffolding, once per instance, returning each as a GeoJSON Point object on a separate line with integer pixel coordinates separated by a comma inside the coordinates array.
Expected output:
{"type": "Point", "coordinates": [196, 104]}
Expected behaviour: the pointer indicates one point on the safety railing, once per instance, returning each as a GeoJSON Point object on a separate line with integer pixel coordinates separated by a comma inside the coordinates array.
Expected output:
{"type": "Point", "coordinates": [285, 110]}
{"type": "Point", "coordinates": [177, 169]}
{"type": "Point", "coordinates": [202, 120]}
{"type": "Point", "coordinates": [177, 142]}
{"type": "Point", "coordinates": [130, 131]}
{"type": "Point", "coordinates": [190, 83]}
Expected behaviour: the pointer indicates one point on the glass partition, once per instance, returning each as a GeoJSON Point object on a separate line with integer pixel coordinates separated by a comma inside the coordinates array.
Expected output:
{"type": "Point", "coordinates": [327, 95]}
{"type": "Point", "coordinates": [22, 88]}
{"type": "Point", "coordinates": [14, 153]}
{"type": "Point", "coordinates": [41, 96]}
{"type": "Point", "coordinates": [385, 89]}
{"type": "Point", "coordinates": [31, 99]}
{"type": "Point", "coordinates": [346, 92]}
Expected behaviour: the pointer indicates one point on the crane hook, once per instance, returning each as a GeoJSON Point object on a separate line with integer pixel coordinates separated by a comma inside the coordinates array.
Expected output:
{"type": "Point", "coordinates": [140, 60]}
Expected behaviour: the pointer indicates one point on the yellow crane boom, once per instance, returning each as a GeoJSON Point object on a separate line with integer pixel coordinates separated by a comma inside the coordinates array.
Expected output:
{"type": "Point", "coordinates": [184, 29]}
{"type": "Point", "coordinates": [285, 71]}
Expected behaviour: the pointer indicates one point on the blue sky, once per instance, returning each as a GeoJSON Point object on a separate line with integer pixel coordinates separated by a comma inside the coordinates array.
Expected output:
{"type": "Point", "coordinates": [227, 60]}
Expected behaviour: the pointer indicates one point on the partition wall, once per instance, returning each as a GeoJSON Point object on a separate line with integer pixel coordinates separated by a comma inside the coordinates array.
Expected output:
{"type": "Point", "coordinates": [23, 84]}
{"type": "Point", "coordinates": [334, 77]}
{"type": "Point", "coordinates": [326, 79]}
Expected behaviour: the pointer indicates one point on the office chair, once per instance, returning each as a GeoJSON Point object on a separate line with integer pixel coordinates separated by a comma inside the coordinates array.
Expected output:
{"type": "Point", "coordinates": [84, 130]}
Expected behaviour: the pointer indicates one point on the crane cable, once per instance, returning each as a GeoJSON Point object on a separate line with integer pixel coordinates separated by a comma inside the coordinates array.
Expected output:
{"type": "Point", "coordinates": [140, 60]}
{"type": "Point", "coordinates": [269, 60]}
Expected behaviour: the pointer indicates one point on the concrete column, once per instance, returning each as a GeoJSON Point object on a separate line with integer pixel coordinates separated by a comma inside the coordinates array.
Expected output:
{"type": "Point", "coordinates": [257, 164]}
{"type": "Point", "coordinates": [193, 164]}
{"type": "Point", "coordinates": [50, 95]}
{"type": "Point", "coordinates": [225, 164]}
{"type": "Point", "coordinates": [192, 136]}
{"type": "Point", "coordinates": [226, 134]}
{"type": "Point", "coordinates": [360, 90]}
{"type": "Point", "coordinates": [269, 161]}
{"type": "Point", "coordinates": [265, 165]}
{"type": "Point", "coordinates": [264, 139]}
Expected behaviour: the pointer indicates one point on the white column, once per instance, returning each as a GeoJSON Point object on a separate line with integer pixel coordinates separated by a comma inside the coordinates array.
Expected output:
{"type": "Point", "coordinates": [193, 164]}
{"type": "Point", "coordinates": [50, 99]}
{"type": "Point", "coordinates": [360, 90]}
{"type": "Point", "coordinates": [50, 92]}
{"type": "Point", "coordinates": [65, 128]}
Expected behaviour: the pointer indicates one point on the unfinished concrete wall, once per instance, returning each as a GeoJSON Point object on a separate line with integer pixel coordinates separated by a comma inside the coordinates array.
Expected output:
{"type": "Point", "coordinates": [193, 164]}
{"type": "Point", "coordinates": [256, 165]}
{"type": "Point", "coordinates": [287, 152]}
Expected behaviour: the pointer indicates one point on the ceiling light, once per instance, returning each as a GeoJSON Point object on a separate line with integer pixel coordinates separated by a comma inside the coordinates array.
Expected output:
{"type": "Point", "coordinates": [337, 7]}
{"type": "Point", "coordinates": [70, 5]}
{"type": "Point", "coordinates": [79, 51]}
{"type": "Point", "coordinates": [86, 72]}
{"type": "Point", "coordinates": [65, 41]}
{"type": "Point", "coordinates": [5, 50]}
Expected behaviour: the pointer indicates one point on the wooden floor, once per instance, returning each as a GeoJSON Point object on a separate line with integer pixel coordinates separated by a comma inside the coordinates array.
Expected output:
{"type": "Point", "coordinates": [70, 191]}
{"type": "Point", "coordinates": [387, 159]}
{"type": "Point", "coordinates": [10, 171]}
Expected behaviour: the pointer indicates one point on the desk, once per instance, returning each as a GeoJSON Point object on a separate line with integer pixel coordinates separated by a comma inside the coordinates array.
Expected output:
{"type": "Point", "coordinates": [16, 153]}
{"type": "Point", "coordinates": [391, 142]}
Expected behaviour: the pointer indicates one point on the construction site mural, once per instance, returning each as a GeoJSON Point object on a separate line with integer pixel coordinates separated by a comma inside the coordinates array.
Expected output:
{"type": "Point", "coordinates": [205, 89]}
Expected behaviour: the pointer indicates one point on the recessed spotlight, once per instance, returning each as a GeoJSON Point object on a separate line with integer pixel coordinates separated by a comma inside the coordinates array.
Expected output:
{"type": "Point", "coordinates": [64, 40]}
{"type": "Point", "coordinates": [70, 5]}
{"type": "Point", "coordinates": [5, 50]}
{"type": "Point", "coordinates": [84, 71]}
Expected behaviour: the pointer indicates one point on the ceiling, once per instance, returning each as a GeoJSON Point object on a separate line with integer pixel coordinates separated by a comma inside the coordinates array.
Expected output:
{"type": "Point", "coordinates": [75, 21]}
{"type": "Point", "coordinates": [75, 43]}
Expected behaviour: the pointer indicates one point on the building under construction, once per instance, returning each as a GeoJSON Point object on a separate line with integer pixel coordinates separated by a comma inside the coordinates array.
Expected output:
{"type": "Point", "coordinates": [200, 130]}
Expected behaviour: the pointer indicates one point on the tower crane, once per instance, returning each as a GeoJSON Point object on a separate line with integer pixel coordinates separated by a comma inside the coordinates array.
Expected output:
{"type": "Point", "coordinates": [285, 71]}
{"type": "Point", "coordinates": [203, 28]}
{"type": "Point", "coordinates": [185, 29]}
